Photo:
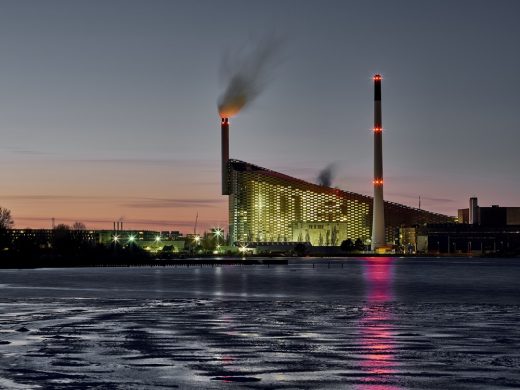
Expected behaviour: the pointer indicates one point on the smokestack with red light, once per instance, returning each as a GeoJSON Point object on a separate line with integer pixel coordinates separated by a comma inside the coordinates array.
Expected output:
{"type": "Point", "coordinates": [224, 128]}
{"type": "Point", "coordinates": [378, 212]}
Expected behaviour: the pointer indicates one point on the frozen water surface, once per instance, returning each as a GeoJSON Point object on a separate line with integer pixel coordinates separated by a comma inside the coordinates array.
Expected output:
{"type": "Point", "coordinates": [366, 323]}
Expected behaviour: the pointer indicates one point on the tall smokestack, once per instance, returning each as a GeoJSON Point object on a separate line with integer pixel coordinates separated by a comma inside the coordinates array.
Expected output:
{"type": "Point", "coordinates": [225, 155]}
{"type": "Point", "coordinates": [378, 220]}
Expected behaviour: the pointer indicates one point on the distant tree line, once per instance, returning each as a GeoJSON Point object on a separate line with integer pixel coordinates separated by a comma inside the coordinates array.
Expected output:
{"type": "Point", "coordinates": [65, 246]}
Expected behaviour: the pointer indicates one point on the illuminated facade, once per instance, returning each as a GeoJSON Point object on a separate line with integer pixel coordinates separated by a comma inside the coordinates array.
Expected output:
{"type": "Point", "coordinates": [267, 206]}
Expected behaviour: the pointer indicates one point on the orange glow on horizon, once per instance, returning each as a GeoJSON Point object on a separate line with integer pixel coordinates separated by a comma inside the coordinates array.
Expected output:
{"type": "Point", "coordinates": [97, 193]}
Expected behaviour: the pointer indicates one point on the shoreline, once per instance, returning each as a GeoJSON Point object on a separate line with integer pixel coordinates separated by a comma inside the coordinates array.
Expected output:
{"type": "Point", "coordinates": [221, 261]}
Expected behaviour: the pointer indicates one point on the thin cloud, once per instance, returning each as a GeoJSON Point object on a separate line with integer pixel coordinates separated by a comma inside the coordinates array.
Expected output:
{"type": "Point", "coordinates": [61, 220]}
{"type": "Point", "coordinates": [55, 197]}
{"type": "Point", "coordinates": [143, 161]}
{"type": "Point", "coordinates": [136, 202]}
{"type": "Point", "coordinates": [176, 203]}
{"type": "Point", "coordinates": [31, 152]}
{"type": "Point", "coordinates": [27, 152]}
{"type": "Point", "coordinates": [129, 224]}
{"type": "Point", "coordinates": [48, 157]}
{"type": "Point", "coordinates": [438, 200]}
{"type": "Point", "coordinates": [416, 196]}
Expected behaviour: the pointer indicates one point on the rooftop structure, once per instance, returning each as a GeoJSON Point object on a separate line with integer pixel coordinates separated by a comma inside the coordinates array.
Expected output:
{"type": "Point", "coordinates": [494, 215]}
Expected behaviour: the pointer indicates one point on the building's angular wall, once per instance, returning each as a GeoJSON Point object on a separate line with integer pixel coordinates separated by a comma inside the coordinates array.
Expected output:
{"type": "Point", "coordinates": [267, 206]}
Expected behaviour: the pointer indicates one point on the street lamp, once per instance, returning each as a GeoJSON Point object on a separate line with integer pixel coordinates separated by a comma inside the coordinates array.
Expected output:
{"type": "Point", "coordinates": [196, 241]}
{"type": "Point", "coordinates": [156, 243]}
{"type": "Point", "coordinates": [218, 232]}
{"type": "Point", "coordinates": [243, 250]}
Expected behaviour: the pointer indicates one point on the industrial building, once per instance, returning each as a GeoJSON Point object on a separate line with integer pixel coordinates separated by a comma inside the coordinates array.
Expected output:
{"type": "Point", "coordinates": [489, 216]}
{"type": "Point", "coordinates": [466, 239]}
{"type": "Point", "coordinates": [480, 230]}
{"type": "Point", "coordinates": [268, 206]}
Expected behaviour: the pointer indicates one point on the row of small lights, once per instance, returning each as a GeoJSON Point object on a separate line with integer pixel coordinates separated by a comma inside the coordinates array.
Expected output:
{"type": "Point", "coordinates": [218, 233]}
{"type": "Point", "coordinates": [131, 238]}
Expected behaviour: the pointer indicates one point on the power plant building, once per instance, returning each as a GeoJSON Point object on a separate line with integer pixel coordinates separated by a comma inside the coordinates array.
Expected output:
{"type": "Point", "coordinates": [268, 206]}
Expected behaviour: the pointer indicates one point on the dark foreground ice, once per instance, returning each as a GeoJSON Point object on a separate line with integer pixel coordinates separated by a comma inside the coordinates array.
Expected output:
{"type": "Point", "coordinates": [377, 323]}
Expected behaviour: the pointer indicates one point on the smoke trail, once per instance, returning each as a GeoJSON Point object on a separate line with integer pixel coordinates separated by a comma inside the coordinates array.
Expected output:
{"type": "Point", "coordinates": [326, 175]}
{"type": "Point", "coordinates": [246, 75]}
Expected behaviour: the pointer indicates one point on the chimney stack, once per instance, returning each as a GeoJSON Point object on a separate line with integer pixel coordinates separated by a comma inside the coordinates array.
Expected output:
{"type": "Point", "coordinates": [225, 155]}
{"type": "Point", "coordinates": [378, 211]}
{"type": "Point", "coordinates": [473, 211]}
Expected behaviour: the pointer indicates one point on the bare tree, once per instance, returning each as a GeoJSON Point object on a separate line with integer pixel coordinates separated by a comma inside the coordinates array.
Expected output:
{"type": "Point", "coordinates": [78, 226]}
{"type": "Point", "coordinates": [6, 221]}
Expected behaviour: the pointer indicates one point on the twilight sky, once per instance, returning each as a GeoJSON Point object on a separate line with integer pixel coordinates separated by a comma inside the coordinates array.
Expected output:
{"type": "Point", "coordinates": [108, 109]}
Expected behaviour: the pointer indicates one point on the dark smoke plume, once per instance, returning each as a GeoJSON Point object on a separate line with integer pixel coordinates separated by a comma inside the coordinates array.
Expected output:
{"type": "Point", "coordinates": [326, 175]}
{"type": "Point", "coordinates": [245, 74]}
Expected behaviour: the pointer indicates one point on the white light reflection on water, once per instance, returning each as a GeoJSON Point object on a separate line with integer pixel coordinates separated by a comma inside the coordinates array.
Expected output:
{"type": "Point", "coordinates": [378, 360]}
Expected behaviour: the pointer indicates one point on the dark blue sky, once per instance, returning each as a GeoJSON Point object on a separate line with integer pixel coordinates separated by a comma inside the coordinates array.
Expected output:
{"type": "Point", "coordinates": [108, 108]}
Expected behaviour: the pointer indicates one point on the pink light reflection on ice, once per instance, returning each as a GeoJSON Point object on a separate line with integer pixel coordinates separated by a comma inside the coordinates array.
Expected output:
{"type": "Point", "coordinates": [375, 329]}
